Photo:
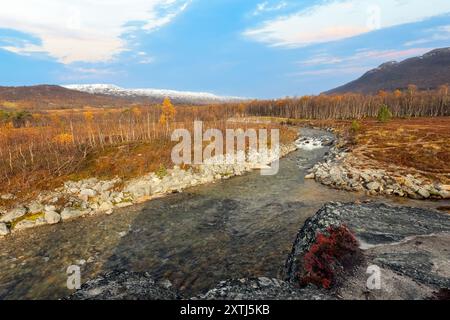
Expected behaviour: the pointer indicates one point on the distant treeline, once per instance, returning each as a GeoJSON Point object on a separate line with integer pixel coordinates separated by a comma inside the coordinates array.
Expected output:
{"type": "Point", "coordinates": [406, 103]}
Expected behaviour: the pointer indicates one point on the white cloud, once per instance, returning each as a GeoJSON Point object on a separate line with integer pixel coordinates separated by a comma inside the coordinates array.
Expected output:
{"type": "Point", "coordinates": [340, 19]}
{"type": "Point", "coordinates": [267, 7]}
{"type": "Point", "coordinates": [358, 63]}
{"type": "Point", "coordinates": [363, 56]}
{"type": "Point", "coordinates": [441, 33]}
{"type": "Point", "coordinates": [85, 30]}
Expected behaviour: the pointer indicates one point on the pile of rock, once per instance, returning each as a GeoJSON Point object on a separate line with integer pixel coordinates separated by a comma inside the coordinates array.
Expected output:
{"type": "Point", "coordinates": [341, 170]}
{"type": "Point", "coordinates": [93, 196]}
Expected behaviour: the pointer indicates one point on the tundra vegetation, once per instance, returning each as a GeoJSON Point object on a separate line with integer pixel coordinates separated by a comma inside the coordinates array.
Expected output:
{"type": "Point", "coordinates": [39, 150]}
{"type": "Point", "coordinates": [41, 147]}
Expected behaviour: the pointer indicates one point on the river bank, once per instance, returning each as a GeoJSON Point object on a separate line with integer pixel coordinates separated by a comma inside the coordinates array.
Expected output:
{"type": "Point", "coordinates": [342, 169]}
{"type": "Point", "coordinates": [192, 240]}
{"type": "Point", "coordinates": [405, 246]}
{"type": "Point", "coordinates": [93, 196]}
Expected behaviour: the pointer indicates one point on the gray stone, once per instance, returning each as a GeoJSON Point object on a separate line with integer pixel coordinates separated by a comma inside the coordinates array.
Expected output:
{"type": "Point", "coordinates": [139, 189]}
{"type": "Point", "coordinates": [388, 234]}
{"type": "Point", "coordinates": [373, 186]}
{"type": "Point", "coordinates": [424, 193]}
{"type": "Point", "coordinates": [118, 285]}
{"type": "Point", "coordinates": [262, 289]}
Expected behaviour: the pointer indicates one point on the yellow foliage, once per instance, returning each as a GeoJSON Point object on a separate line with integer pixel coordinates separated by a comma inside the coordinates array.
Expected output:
{"type": "Point", "coordinates": [168, 111]}
{"type": "Point", "coordinates": [64, 138]}
{"type": "Point", "coordinates": [397, 93]}
{"type": "Point", "coordinates": [9, 105]}
{"type": "Point", "coordinates": [162, 119]}
{"type": "Point", "coordinates": [88, 116]}
{"type": "Point", "coordinates": [136, 111]}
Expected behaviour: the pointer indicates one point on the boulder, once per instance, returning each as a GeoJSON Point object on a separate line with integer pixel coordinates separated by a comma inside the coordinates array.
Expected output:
{"type": "Point", "coordinates": [88, 193]}
{"type": "Point", "coordinates": [70, 213]}
{"type": "Point", "coordinates": [52, 217]}
{"type": "Point", "coordinates": [310, 176]}
{"type": "Point", "coordinates": [14, 214]}
{"type": "Point", "coordinates": [35, 207]}
{"type": "Point", "coordinates": [262, 289]}
{"type": "Point", "coordinates": [4, 230]}
{"type": "Point", "coordinates": [7, 196]}
{"type": "Point", "coordinates": [24, 224]}
{"type": "Point", "coordinates": [125, 285]}
{"type": "Point", "coordinates": [139, 189]}
{"type": "Point", "coordinates": [424, 193]}
{"type": "Point", "coordinates": [409, 244]}
{"type": "Point", "coordinates": [373, 186]}
{"type": "Point", "coordinates": [105, 206]}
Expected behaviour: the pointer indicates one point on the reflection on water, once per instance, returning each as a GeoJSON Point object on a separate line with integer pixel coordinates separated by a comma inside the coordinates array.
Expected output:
{"type": "Point", "coordinates": [236, 228]}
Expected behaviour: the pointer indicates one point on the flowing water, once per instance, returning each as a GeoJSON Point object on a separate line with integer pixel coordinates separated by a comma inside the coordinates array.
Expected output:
{"type": "Point", "coordinates": [242, 227]}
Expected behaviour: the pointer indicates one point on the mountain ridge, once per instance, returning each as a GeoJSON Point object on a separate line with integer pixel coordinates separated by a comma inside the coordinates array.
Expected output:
{"type": "Point", "coordinates": [428, 71]}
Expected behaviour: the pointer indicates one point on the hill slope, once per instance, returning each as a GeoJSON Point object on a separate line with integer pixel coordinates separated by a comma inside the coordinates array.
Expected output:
{"type": "Point", "coordinates": [54, 97]}
{"type": "Point", "coordinates": [426, 72]}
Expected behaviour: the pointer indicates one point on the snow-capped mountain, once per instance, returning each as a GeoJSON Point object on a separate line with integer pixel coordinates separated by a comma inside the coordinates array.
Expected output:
{"type": "Point", "coordinates": [180, 96]}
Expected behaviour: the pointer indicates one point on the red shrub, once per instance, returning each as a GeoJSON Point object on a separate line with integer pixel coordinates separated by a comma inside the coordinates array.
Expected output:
{"type": "Point", "coordinates": [330, 256]}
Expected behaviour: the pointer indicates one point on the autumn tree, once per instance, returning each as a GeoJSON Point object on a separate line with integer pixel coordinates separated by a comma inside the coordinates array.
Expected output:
{"type": "Point", "coordinates": [168, 112]}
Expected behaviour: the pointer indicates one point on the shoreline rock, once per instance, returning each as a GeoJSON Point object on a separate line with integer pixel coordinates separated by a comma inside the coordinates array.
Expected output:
{"type": "Point", "coordinates": [92, 196]}
{"type": "Point", "coordinates": [408, 245]}
{"type": "Point", "coordinates": [343, 171]}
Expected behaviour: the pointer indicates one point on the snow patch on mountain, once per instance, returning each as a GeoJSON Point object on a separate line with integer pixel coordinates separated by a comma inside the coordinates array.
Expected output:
{"type": "Point", "coordinates": [114, 90]}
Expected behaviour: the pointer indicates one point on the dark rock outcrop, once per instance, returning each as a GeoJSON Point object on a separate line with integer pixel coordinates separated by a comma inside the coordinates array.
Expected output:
{"type": "Point", "coordinates": [263, 289]}
{"type": "Point", "coordinates": [410, 245]}
{"type": "Point", "coordinates": [123, 285]}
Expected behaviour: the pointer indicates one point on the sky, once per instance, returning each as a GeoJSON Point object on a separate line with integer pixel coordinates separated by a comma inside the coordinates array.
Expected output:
{"type": "Point", "coordinates": [247, 48]}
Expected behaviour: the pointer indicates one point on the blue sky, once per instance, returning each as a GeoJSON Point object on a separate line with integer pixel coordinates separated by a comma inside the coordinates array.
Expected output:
{"type": "Point", "coordinates": [251, 48]}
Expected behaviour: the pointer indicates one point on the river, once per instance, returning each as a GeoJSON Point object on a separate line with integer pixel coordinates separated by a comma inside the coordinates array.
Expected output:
{"type": "Point", "coordinates": [242, 227]}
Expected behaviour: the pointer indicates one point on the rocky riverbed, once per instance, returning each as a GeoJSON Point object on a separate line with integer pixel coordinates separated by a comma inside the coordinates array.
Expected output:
{"type": "Point", "coordinates": [92, 196]}
{"type": "Point", "coordinates": [341, 169]}
{"type": "Point", "coordinates": [409, 246]}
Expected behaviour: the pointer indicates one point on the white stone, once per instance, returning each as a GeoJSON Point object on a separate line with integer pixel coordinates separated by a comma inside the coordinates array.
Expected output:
{"type": "Point", "coordinates": [424, 193]}
{"type": "Point", "coordinates": [35, 207]}
{"type": "Point", "coordinates": [124, 204]}
{"type": "Point", "coordinates": [105, 206]}
{"type": "Point", "coordinates": [69, 213]}
{"type": "Point", "coordinates": [25, 224]}
{"type": "Point", "coordinates": [88, 192]}
{"type": "Point", "coordinates": [14, 214]}
{"type": "Point", "coordinates": [373, 186]}
{"type": "Point", "coordinates": [7, 196]}
{"type": "Point", "coordinates": [310, 176]}
{"type": "Point", "coordinates": [3, 229]}
{"type": "Point", "coordinates": [52, 217]}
